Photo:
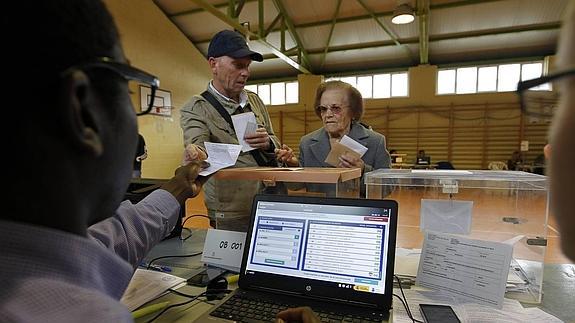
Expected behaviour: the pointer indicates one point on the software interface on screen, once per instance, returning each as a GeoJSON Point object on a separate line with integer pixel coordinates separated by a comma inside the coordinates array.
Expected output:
{"type": "Point", "coordinates": [346, 245]}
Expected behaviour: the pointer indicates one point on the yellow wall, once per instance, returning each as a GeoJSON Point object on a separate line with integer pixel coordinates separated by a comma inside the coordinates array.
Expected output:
{"type": "Point", "coordinates": [152, 43]}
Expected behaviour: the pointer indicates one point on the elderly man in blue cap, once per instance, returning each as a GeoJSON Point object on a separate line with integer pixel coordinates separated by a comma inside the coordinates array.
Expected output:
{"type": "Point", "coordinates": [207, 118]}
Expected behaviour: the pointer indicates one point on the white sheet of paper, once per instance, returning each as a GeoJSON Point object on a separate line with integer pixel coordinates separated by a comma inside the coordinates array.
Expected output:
{"type": "Point", "coordinates": [472, 270]}
{"type": "Point", "coordinates": [147, 285]}
{"type": "Point", "coordinates": [244, 123]}
{"type": "Point", "coordinates": [220, 156]}
{"type": "Point", "coordinates": [224, 249]}
{"type": "Point", "coordinates": [353, 145]}
{"type": "Point", "coordinates": [447, 216]}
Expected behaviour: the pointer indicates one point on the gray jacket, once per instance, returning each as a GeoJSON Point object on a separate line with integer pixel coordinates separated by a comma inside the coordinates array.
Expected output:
{"type": "Point", "coordinates": [314, 148]}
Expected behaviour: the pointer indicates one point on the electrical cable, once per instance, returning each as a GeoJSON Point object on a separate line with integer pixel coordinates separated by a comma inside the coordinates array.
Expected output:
{"type": "Point", "coordinates": [405, 304]}
{"type": "Point", "coordinates": [194, 216]}
{"type": "Point", "coordinates": [175, 256]}
{"type": "Point", "coordinates": [176, 305]}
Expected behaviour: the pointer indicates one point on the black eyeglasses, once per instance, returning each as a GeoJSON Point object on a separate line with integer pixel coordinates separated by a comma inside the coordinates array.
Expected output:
{"type": "Point", "coordinates": [129, 73]}
{"type": "Point", "coordinates": [536, 97]}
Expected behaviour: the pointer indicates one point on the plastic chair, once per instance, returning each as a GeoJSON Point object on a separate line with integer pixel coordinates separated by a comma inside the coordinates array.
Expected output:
{"type": "Point", "coordinates": [497, 165]}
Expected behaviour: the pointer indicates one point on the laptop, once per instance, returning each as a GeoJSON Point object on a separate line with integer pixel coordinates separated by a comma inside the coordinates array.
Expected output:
{"type": "Point", "coordinates": [335, 255]}
{"type": "Point", "coordinates": [423, 160]}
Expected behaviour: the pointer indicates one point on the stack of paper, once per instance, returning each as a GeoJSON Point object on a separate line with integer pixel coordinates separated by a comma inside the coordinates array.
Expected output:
{"type": "Point", "coordinates": [147, 285]}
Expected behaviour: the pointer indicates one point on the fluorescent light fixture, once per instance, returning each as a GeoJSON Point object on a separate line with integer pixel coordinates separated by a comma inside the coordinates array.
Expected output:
{"type": "Point", "coordinates": [403, 14]}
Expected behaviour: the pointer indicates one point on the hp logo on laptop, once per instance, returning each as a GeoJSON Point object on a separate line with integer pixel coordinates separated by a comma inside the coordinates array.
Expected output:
{"type": "Point", "coordinates": [308, 288]}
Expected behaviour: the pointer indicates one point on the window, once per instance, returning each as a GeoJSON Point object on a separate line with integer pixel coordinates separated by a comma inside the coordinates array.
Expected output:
{"type": "Point", "coordinates": [378, 86]}
{"type": "Point", "coordinates": [277, 93]}
{"type": "Point", "coordinates": [476, 79]}
{"type": "Point", "coordinates": [466, 80]}
{"type": "Point", "coordinates": [446, 82]}
{"type": "Point", "coordinates": [487, 79]}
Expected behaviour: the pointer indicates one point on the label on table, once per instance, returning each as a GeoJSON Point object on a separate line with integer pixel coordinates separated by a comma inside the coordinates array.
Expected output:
{"type": "Point", "coordinates": [224, 249]}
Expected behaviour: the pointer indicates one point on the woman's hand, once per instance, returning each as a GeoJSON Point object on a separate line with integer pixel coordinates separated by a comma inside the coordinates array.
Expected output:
{"type": "Point", "coordinates": [350, 161]}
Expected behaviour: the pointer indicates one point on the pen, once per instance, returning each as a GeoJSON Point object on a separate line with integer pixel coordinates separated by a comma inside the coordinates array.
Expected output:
{"type": "Point", "coordinates": [164, 269]}
{"type": "Point", "coordinates": [149, 309]}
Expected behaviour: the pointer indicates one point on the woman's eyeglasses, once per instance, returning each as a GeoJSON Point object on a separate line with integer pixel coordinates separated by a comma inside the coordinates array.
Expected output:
{"type": "Point", "coordinates": [536, 96]}
{"type": "Point", "coordinates": [335, 109]}
{"type": "Point", "coordinates": [129, 73]}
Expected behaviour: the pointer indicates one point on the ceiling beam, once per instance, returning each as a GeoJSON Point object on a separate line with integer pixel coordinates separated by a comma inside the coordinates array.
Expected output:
{"type": "Point", "coordinates": [423, 21]}
{"type": "Point", "coordinates": [460, 3]}
{"type": "Point", "coordinates": [435, 38]}
{"type": "Point", "coordinates": [239, 8]}
{"type": "Point", "coordinates": [386, 29]}
{"type": "Point", "coordinates": [293, 32]}
{"type": "Point", "coordinates": [236, 25]}
{"type": "Point", "coordinates": [198, 10]}
{"type": "Point", "coordinates": [272, 25]}
{"type": "Point", "coordinates": [333, 22]}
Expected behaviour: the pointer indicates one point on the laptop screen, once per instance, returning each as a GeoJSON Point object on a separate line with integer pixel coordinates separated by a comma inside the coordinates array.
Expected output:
{"type": "Point", "coordinates": [326, 247]}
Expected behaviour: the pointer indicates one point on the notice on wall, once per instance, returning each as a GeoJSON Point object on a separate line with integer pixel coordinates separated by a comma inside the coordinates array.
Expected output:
{"type": "Point", "coordinates": [471, 270]}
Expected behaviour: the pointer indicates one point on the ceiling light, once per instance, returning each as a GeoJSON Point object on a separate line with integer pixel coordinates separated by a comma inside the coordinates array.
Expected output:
{"type": "Point", "coordinates": [403, 14]}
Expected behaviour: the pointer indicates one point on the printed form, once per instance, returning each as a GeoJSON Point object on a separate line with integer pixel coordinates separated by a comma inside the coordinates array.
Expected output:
{"type": "Point", "coordinates": [471, 270]}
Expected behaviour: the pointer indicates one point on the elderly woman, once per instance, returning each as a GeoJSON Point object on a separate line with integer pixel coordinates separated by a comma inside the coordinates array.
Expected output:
{"type": "Point", "coordinates": [340, 108]}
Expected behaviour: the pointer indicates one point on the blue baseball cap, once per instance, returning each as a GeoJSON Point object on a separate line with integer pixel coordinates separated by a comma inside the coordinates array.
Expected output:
{"type": "Point", "coordinates": [233, 44]}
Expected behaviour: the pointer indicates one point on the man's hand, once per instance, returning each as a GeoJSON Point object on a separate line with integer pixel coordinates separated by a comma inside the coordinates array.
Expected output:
{"type": "Point", "coordinates": [285, 155]}
{"type": "Point", "coordinates": [186, 183]}
{"type": "Point", "coordinates": [299, 314]}
{"type": "Point", "coordinates": [259, 139]}
{"type": "Point", "coordinates": [193, 153]}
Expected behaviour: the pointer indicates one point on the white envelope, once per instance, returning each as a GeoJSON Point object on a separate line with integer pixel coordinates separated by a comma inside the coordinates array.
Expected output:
{"type": "Point", "coordinates": [244, 123]}
{"type": "Point", "coordinates": [446, 216]}
{"type": "Point", "coordinates": [353, 145]}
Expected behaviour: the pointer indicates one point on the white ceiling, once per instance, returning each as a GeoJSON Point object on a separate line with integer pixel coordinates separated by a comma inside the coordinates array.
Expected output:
{"type": "Point", "coordinates": [363, 37]}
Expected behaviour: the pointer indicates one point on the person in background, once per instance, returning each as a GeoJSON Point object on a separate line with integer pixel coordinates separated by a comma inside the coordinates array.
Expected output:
{"type": "Point", "coordinates": [340, 108]}
{"type": "Point", "coordinates": [422, 158]}
{"type": "Point", "coordinates": [515, 161]}
{"type": "Point", "coordinates": [393, 158]}
{"type": "Point", "coordinates": [141, 154]}
{"type": "Point", "coordinates": [69, 245]}
{"type": "Point", "coordinates": [207, 118]}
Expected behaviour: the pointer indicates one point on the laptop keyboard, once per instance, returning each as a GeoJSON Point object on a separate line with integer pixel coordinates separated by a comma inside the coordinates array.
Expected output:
{"type": "Point", "coordinates": [244, 307]}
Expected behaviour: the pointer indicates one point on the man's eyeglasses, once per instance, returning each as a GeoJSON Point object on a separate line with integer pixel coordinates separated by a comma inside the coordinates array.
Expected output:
{"type": "Point", "coordinates": [335, 109]}
{"type": "Point", "coordinates": [129, 73]}
{"type": "Point", "coordinates": [536, 97]}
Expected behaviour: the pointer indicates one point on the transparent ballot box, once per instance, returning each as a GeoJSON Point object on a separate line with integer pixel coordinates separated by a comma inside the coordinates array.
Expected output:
{"type": "Point", "coordinates": [497, 205]}
{"type": "Point", "coordinates": [235, 189]}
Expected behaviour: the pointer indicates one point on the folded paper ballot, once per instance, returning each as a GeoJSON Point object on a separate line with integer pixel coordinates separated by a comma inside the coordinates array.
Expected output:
{"type": "Point", "coordinates": [345, 146]}
{"type": "Point", "coordinates": [220, 156]}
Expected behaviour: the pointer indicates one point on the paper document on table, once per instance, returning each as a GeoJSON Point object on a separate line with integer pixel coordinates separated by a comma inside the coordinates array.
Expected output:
{"type": "Point", "coordinates": [473, 270]}
{"type": "Point", "coordinates": [220, 156]}
{"type": "Point", "coordinates": [447, 216]}
{"type": "Point", "coordinates": [244, 123]}
{"type": "Point", "coordinates": [147, 285]}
